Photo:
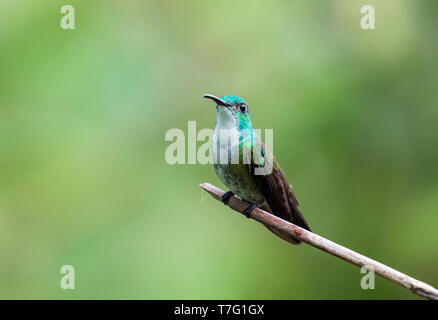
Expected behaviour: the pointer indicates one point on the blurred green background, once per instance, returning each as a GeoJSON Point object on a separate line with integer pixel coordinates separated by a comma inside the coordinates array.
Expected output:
{"type": "Point", "coordinates": [83, 114]}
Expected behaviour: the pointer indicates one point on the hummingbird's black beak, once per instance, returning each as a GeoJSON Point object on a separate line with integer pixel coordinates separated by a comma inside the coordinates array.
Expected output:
{"type": "Point", "coordinates": [217, 100]}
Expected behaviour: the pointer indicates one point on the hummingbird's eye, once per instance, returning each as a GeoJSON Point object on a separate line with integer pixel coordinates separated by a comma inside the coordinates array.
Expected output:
{"type": "Point", "coordinates": [243, 107]}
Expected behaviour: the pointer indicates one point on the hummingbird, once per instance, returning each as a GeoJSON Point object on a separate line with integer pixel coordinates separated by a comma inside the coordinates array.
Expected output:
{"type": "Point", "coordinates": [268, 189]}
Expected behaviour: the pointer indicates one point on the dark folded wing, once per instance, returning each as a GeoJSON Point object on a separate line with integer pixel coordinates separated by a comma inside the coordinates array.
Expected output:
{"type": "Point", "coordinates": [275, 188]}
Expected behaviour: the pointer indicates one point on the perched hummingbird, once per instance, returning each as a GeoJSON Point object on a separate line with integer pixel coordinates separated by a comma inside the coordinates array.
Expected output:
{"type": "Point", "coordinates": [269, 191]}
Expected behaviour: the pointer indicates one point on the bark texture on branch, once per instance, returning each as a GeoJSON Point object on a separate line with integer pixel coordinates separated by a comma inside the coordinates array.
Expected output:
{"type": "Point", "coordinates": [416, 286]}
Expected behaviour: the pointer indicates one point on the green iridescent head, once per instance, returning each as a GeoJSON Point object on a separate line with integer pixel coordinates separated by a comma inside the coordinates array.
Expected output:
{"type": "Point", "coordinates": [232, 111]}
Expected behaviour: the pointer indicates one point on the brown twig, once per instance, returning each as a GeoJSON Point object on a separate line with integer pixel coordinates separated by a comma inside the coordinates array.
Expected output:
{"type": "Point", "coordinates": [416, 286]}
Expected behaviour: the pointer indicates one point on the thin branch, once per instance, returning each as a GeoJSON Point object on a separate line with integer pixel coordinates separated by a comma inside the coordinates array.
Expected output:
{"type": "Point", "coordinates": [416, 286]}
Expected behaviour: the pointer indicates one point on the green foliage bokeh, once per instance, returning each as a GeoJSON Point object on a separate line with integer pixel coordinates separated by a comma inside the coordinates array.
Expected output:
{"type": "Point", "coordinates": [83, 114]}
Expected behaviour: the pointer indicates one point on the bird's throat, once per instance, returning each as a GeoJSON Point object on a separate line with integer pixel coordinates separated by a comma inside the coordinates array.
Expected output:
{"type": "Point", "coordinates": [225, 119]}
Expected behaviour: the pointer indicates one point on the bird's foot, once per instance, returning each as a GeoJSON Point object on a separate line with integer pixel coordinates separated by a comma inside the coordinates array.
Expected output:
{"type": "Point", "coordinates": [226, 197]}
{"type": "Point", "coordinates": [249, 209]}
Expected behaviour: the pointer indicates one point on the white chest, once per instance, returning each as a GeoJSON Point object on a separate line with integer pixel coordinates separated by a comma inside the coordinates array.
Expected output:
{"type": "Point", "coordinates": [225, 138]}
{"type": "Point", "coordinates": [224, 144]}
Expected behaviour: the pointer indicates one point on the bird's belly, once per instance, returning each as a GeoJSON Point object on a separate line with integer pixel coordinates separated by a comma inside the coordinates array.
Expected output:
{"type": "Point", "coordinates": [239, 180]}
